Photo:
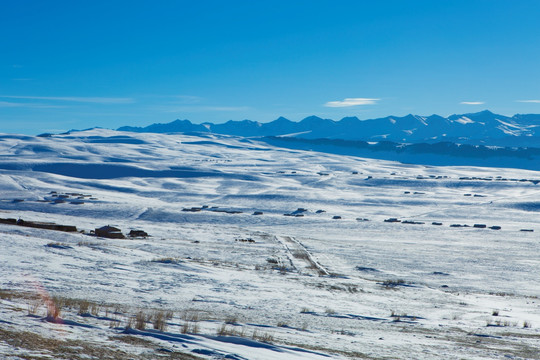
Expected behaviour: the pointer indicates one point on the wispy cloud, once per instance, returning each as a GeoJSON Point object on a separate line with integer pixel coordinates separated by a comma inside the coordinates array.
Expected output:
{"type": "Point", "coordinates": [96, 100]}
{"type": "Point", "coordinates": [472, 103]}
{"type": "Point", "coordinates": [351, 102]}
{"type": "Point", "coordinates": [529, 101]}
{"type": "Point", "coordinates": [9, 104]}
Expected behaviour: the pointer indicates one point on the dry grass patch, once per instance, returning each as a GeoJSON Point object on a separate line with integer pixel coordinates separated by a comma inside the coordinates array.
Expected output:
{"type": "Point", "coordinates": [231, 320]}
{"type": "Point", "coordinates": [166, 260]}
{"type": "Point", "coordinates": [33, 306]}
{"type": "Point", "coordinates": [61, 349]}
{"type": "Point", "coordinates": [191, 315]}
{"type": "Point", "coordinates": [6, 294]}
{"type": "Point", "coordinates": [138, 321]}
{"type": "Point", "coordinates": [262, 337]}
{"type": "Point", "coordinates": [349, 354]}
{"type": "Point", "coordinates": [190, 328]}
{"type": "Point", "coordinates": [159, 320]}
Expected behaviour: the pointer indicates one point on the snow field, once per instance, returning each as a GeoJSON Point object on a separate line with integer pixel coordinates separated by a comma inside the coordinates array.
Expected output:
{"type": "Point", "coordinates": [340, 287]}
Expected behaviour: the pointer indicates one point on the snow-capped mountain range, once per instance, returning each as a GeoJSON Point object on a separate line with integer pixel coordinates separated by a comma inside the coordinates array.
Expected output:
{"type": "Point", "coordinates": [481, 128]}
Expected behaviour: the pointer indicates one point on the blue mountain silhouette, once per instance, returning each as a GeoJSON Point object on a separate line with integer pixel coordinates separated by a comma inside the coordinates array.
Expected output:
{"type": "Point", "coordinates": [481, 128]}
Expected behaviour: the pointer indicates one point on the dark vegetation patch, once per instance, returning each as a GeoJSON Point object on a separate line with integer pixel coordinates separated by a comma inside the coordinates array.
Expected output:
{"type": "Point", "coordinates": [39, 225]}
{"type": "Point", "coordinates": [58, 245]}
{"type": "Point", "coordinates": [393, 283]}
{"type": "Point", "coordinates": [366, 269]}
{"type": "Point", "coordinates": [440, 273]}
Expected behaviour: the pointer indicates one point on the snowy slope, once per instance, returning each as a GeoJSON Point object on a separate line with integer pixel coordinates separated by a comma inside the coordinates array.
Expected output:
{"type": "Point", "coordinates": [331, 279]}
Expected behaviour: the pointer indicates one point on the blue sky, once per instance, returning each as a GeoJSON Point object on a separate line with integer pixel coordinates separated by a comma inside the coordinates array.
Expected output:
{"type": "Point", "coordinates": [78, 64]}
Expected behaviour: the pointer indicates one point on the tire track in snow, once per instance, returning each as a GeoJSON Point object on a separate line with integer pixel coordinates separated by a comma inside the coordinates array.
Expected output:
{"type": "Point", "coordinates": [296, 253]}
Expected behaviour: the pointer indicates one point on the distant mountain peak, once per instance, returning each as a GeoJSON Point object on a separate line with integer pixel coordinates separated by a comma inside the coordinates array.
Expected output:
{"type": "Point", "coordinates": [312, 118]}
{"type": "Point", "coordinates": [281, 118]}
{"type": "Point", "coordinates": [485, 112]}
{"type": "Point", "coordinates": [483, 127]}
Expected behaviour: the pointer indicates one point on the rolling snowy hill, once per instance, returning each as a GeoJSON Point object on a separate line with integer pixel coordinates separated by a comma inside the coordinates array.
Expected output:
{"type": "Point", "coordinates": [256, 251]}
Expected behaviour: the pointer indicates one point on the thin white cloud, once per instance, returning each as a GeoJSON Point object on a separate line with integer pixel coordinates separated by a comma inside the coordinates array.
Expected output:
{"type": "Point", "coordinates": [472, 103]}
{"type": "Point", "coordinates": [96, 100]}
{"type": "Point", "coordinates": [529, 101]}
{"type": "Point", "coordinates": [351, 102]}
{"type": "Point", "coordinates": [9, 104]}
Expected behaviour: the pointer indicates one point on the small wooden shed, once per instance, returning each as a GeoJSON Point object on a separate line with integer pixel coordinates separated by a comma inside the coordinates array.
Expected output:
{"type": "Point", "coordinates": [109, 232]}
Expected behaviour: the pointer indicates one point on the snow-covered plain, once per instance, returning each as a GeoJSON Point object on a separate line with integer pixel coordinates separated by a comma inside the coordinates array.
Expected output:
{"type": "Point", "coordinates": [331, 280]}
